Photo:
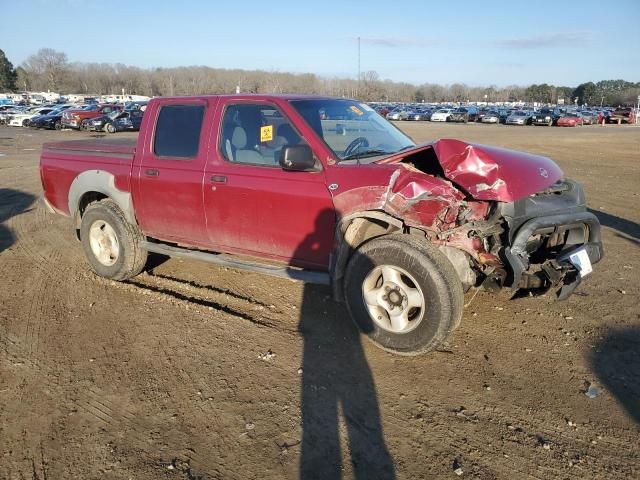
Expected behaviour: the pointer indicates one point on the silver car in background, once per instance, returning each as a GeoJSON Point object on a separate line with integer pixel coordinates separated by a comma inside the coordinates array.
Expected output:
{"type": "Point", "coordinates": [519, 117]}
{"type": "Point", "coordinates": [491, 117]}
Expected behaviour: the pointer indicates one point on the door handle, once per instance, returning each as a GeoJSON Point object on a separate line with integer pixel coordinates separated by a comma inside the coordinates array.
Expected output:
{"type": "Point", "coordinates": [152, 172]}
{"type": "Point", "coordinates": [218, 179]}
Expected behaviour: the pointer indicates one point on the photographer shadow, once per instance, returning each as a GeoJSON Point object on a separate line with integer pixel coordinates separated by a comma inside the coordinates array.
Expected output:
{"type": "Point", "coordinates": [12, 203]}
{"type": "Point", "coordinates": [337, 387]}
{"type": "Point", "coordinates": [616, 362]}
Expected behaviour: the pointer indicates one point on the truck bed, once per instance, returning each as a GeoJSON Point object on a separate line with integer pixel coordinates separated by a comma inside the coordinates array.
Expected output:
{"type": "Point", "coordinates": [62, 162]}
{"type": "Point", "coordinates": [118, 146]}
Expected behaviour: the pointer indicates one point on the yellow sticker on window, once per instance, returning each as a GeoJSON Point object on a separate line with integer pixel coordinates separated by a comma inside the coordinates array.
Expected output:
{"type": "Point", "coordinates": [356, 110]}
{"type": "Point", "coordinates": [266, 133]}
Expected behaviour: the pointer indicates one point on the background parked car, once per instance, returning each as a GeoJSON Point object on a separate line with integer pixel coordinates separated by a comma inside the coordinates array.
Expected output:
{"type": "Point", "coordinates": [464, 114]}
{"type": "Point", "coordinates": [117, 121]}
{"type": "Point", "coordinates": [544, 116]}
{"type": "Point", "coordinates": [490, 117]}
{"type": "Point", "coordinates": [7, 113]}
{"type": "Point", "coordinates": [441, 115]}
{"type": "Point", "coordinates": [399, 113]}
{"type": "Point", "coordinates": [52, 120]}
{"type": "Point", "coordinates": [519, 117]}
{"type": "Point", "coordinates": [589, 117]}
{"type": "Point", "coordinates": [23, 119]}
{"type": "Point", "coordinates": [570, 119]}
{"type": "Point", "coordinates": [81, 118]}
{"type": "Point", "coordinates": [622, 115]}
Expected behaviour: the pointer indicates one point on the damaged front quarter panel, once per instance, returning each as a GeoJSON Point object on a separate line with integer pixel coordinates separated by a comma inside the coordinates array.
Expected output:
{"type": "Point", "coordinates": [422, 200]}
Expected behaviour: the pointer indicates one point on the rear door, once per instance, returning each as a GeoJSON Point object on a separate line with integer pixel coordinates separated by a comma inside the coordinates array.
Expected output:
{"type": "Point", "coordinates": [170, 171]}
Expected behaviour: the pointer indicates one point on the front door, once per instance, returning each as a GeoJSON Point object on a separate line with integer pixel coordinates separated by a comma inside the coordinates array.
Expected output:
{"type": "Point", "coordinates": [255, 207]}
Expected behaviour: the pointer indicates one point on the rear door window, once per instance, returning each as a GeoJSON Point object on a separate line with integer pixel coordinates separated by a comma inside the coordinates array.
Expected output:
{"type": "Point", "coordinates": [177, 133]}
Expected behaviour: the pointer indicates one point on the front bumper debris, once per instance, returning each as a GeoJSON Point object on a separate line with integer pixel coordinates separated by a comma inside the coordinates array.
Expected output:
{"type": "Point", "coordinates": [544, 230]}
{"type": "Point", "coordinates": [559, 272]}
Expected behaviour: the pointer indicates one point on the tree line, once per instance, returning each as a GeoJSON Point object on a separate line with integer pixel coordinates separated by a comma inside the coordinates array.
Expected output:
{"type": "Point", "coordinates": [50, 70]}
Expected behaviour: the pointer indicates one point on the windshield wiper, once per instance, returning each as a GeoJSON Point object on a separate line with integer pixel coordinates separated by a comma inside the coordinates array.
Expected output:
{"type": "Point", "coordinates": [366, 153]}
{"type": "Point", "coordinates": [405, 148]}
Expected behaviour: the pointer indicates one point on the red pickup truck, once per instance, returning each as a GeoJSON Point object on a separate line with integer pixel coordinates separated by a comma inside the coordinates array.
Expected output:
{"type": "Point", "coordinates": [325, 190]}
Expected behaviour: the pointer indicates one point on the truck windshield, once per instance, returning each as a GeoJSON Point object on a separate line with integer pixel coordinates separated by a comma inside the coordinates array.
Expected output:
{"type": "Point", "coordinates": [350, 129]}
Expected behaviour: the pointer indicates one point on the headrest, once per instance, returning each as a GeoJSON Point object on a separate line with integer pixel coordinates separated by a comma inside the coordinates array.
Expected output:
{"type": "Point", "coordinates": [239, 138]}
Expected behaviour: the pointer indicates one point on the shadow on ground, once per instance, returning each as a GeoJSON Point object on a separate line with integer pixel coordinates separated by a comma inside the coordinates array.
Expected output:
{"type": "Point", "coordinates": [616, 362]}
{"type": "Point", "coordinates": [626, 229]}
{"type": "Point", "coordinates": [12, 203]}
{"type": "Point", "coordinates": [337, 386]}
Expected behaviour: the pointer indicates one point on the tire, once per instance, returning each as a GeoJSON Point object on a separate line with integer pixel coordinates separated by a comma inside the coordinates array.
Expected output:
{"type": "Point", "coordinates": [110, 243]}
{"type": "Point", "coordinates": [424, 273]}
{"type": "Point", "coordinates": [26, 122]}
{"type": "Point", "coordinates": [57, 125]}
{"type": "Point", "coordinates": [110, 128]}
{"type": "Point", "coordinates": [84, 125]}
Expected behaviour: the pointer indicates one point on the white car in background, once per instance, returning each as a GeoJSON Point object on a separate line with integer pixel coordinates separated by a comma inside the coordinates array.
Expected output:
{"type": "Point", "coordinates": [7, 111]}
{"type": "Point", "coordinates": [441, 115]}
{"type": "Point", "coordinates": [23, 119]}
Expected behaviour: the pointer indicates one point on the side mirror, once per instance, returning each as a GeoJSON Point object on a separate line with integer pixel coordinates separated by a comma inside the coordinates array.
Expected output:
{"type": "Point", "coordinates": [297, 158]}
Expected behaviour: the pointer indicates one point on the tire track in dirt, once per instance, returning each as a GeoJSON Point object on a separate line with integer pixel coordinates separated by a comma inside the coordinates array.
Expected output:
{"type": "Point", "coordinates": [95, 403]}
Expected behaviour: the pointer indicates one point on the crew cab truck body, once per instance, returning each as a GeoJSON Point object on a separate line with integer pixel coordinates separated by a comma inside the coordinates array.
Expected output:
{"type": "Point", "coordinates": [270, 184]}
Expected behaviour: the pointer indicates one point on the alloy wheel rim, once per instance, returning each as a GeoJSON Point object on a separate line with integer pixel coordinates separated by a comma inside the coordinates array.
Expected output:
{"type": "Point", "coordinates": [104, 243]}
{"type": "Point", "coordinates": [394, 300]}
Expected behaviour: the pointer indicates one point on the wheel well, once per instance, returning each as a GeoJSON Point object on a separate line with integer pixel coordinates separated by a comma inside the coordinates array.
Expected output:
{"type": "Point", "coordinates": [351, 233]}
{"type": "Point", "coordinates": [87, 199]}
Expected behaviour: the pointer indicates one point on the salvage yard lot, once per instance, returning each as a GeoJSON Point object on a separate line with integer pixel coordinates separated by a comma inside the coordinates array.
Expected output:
{"type": "Point", "coordinates": [194, 371]}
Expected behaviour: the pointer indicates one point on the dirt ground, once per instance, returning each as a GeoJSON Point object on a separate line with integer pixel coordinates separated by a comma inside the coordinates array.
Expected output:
{"type": "Point", "coordinates": [197, 372]}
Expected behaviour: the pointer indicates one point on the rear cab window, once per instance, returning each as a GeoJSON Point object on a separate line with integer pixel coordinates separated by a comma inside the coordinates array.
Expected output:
{"type": "Point", "coordinates": [177, 132]}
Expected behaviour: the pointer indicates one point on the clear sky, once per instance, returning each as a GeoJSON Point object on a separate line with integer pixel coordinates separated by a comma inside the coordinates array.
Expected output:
{"type": "Point", "coordinates": [474, 42]}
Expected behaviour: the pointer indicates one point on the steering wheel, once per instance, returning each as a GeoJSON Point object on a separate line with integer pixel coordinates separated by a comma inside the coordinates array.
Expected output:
{"type": "Point", "coordinates": [357, 144]}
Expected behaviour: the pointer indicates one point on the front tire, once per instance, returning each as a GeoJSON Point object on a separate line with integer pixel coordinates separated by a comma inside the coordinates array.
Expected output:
{"type": "Point", "coordinates": [110, 243]}
{"type": "Point", "coordinates": [110, 128]}
{"type": "Point", "coordinates": [403, 294]}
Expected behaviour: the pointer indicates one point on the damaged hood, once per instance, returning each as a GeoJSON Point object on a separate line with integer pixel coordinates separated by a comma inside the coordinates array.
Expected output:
{"type": "Point", "coordinates": [490, 173]}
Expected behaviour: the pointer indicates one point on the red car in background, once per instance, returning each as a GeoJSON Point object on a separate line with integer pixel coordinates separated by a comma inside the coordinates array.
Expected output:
{"type": "Point", "coordinates": [80, 119]}
{"type": "Point", "coordinates": [570, 119]}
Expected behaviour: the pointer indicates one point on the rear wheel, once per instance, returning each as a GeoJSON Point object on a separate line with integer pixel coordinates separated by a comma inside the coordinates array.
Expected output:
{"type": "Point", "coordinates": [84, 125]}
{"type": "Point", "coordinates": [403, 294]}
{"type": "Point", "coordinates": [110, 243]}
{"type": "Point", "coordinates": [57, 125]}
{"type": "Point", "coordinates": [25, 122]}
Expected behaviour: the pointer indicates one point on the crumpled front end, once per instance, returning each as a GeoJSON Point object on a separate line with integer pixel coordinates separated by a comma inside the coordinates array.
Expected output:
{"type": "Point", "coordinates": [504, 219]}
{"type": "Point", "coordinates": [550, 240]}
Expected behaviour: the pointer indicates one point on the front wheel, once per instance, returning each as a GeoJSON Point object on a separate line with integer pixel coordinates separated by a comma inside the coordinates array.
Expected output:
{"type": "Point", "coordinates": [110, 128]}
{"type": "Point", "coordinates": [403, 294]}
{"type": "Point", "coordinates": [110, 243]}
